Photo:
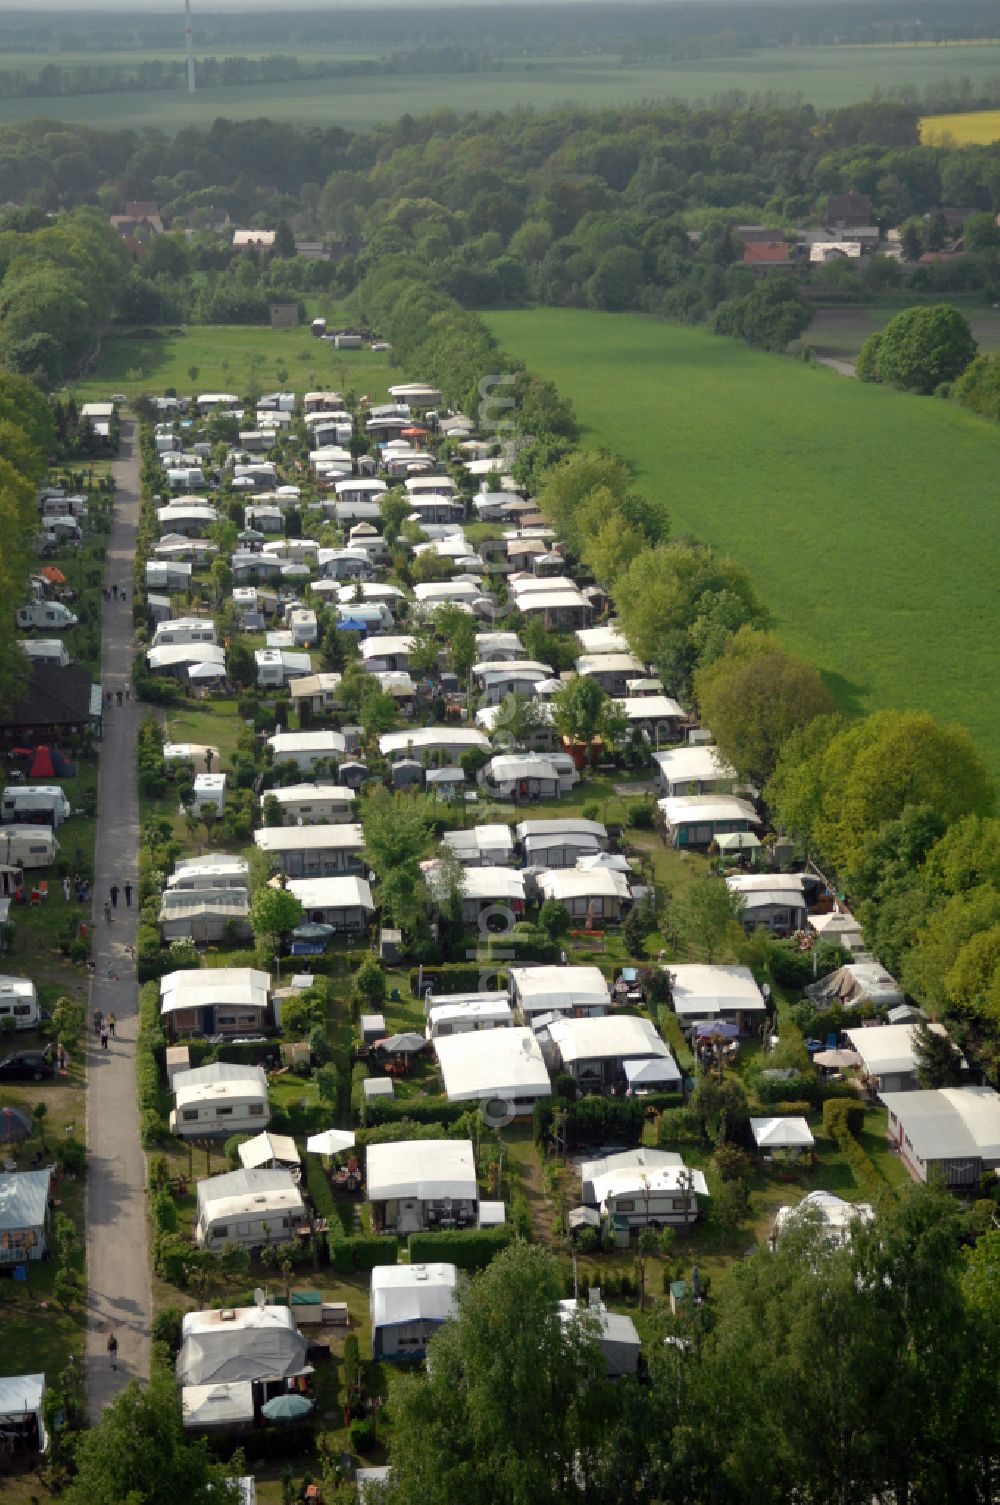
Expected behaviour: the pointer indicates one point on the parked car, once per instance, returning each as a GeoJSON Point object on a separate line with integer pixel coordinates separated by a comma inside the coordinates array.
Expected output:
{"type": "Point", "coordinates": [26, 1066]}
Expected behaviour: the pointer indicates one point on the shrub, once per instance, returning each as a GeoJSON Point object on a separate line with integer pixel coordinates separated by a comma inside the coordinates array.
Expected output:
{"type": "Point", "coordinates": [679, 1126]}
{"type": "Point", "coordinates": [468, 1249]}
{"type": "Point", "coordinates": [71, 1154]}
{"type": "Point", "coordinates": [427, 1110]}
{"type": "Point", "coordinates": [843, 1116]}
{"type": "Point", "coordinates": [731, 1163]}
{"type": "Point", "coordinates": [232, 1149]}
{"type": "Point", "coordinates": [640, 815]}
{"type": "Point", "coordinates": [553, 918]}
{"type": "Point", "coordinates": [362, 1435]}
{"type": "Point", "coordinates": [588, 1240]}
{"type": "Point", "coordinates": [791, 1109]}
{"type": "Point", "coordinates": [790, 967]}
{"type": "Point", "coordinates": [360, 1251]}
{"type": "Point", "coordinates": [318, 1188]}
{"type": "Point", "coordinates": [167, 1328]}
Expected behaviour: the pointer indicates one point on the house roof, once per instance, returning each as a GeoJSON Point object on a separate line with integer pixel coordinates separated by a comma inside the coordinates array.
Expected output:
{"type": "Point", "coordinates": [427, 1169]}
{"type": "Point", "coordinates": [24, 1197]}
{"type": "Point", "coordinates": [600, 640]}
{"type": "Point", "coordinates": [951, 1123]}
{"type": "Point", "coordinates": [412, 1293]}
{"type": "Point", "coordinates": [249, 1191]}
{"type": "Point", "coordinates": [607, 1037]}
{"type": "Point", "coordinates": [54, 695]}
{"type": "Point", "coordinates": [584, 883]}
{"type": "Point", "coordinates": [765, 253]}
{"type": "Point", "coordinates": [703, 990]}
{"type": "Point", "coordinates": [332, 893]}
{"type": "Point", "coordinates": [693, 764]}
{"type": "Point", "coordinates": [492, 1006]}
{"type": "Point", "coordinates": [292, 793]}
{"type": "Point", "coordinates": [887, 1049]}
{"type": "Point", "coordinates": [344, 836]}
{"type": "Point", "coordinates": [540, 989]}
{"type": "Point", "coordinates": [503, 1063]}
{"type": "Point", "coordinates": [687, 809]}
{"type": "Point", "coordinates": [239, 1344]}
{"type": "Point", "coordinates": [430, 739]}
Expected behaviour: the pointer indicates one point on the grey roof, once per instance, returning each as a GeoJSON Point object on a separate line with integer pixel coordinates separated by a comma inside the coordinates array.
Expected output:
{"type": "Point", "coordinates": [250, 1344]}
{"type": "Point", "coordinates": [24, 1196]}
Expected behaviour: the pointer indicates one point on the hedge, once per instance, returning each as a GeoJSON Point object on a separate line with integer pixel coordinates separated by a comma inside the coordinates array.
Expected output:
{"type": "Point", "coordinates": [147, 1071]}
{"type": "Point", "coordinates": [419, 1110]}
{"type": "Point", "coordinates": [807, 1087]}
{"type": "Point", "coordinates": [790, 1109]}
{"type": "Point", "coordinates": [843, 1121]}
{"type": "Point", "coordinates": [842, 1116]}
{"type": "Point", "coordinates": [360, 1251]}
{"type": "Point", "coordinates": [469, 1250]}
{"type": "Point", "coordinates": [591, 1120]}
{"type": "Point", "coordinates": [318, 1188]}
{"type": "Point", "coordinates": [458, 977]}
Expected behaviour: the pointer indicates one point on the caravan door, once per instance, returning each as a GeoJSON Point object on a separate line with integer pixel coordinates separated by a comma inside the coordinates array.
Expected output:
{"type": "Point", "coordinates": [410, 1217]}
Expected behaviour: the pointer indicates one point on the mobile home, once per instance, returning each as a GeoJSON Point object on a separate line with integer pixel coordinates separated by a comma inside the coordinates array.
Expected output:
{"type": "Point", "coordinates": [221, 1098]}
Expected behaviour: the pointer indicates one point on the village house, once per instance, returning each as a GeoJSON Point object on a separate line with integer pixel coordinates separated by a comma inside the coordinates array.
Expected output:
{"type": "Point", "coordinates": [313, 851]}
{"type": "Point", "coordinates": [418, 1184]}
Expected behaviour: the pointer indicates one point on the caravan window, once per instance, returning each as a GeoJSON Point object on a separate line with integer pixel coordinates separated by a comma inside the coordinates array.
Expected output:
{"type": "Point", "coordinates": [22, 1010]}
{"type": "Point", "coordinates": [190, 1115]}
{"type": "Point", "coordinates": [625, 1204]}
{"type": "Point", "coordinates": [243, 1230]}
{"type": "Point", "coordinates": [221, 1231]}
{"type": "Point", "coordinates": [256, 1110]}
{"type": "Point", "coordinates": [223, 1112]}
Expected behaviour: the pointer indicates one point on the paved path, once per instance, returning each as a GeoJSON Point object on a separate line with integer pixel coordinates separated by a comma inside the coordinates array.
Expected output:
{"type": "Point", "coordinates": [119, 1298]}
{"type": "Point", "coordinates": [842, 367]}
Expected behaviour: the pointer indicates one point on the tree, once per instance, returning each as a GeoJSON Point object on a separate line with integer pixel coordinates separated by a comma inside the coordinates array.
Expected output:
{"type": "Point", "coordinates": [919, 349]}
{"type": "Point", "coordinates": [705, 914]}
{"type": "Point", "coordinates": [39, 1113]}
{"type": "Point", "coordinates": [139, 1453]}
{"type": "Point", "coordinates": [754, 696]}
{"type": "Point", "coordinates": [553, 918]}
{"type": "Point", "coordinates": [397, 836]}
{"type": "Point", "coordinates": [369, 983]}
{"type": "Point", "coordinates": [730, 1206]}
{"type": "Point", "coordinates": [610, 549]}
{"type": "Point", "coordinates": [328, 1085]}
{"type": "Point", "coordinates": [512, 1406]}
{"type": "Point", "coordinates": [648, 1247]}
{"type": "Point", "coordinates": [773, 314]}
{"type": "Point", "coordinates": [273, 913]}
{"type": "Point", "coordinates": [938, 1062]}
{"type": "Point", "coordinates": [579, 708]}
{"type": "Point", "coordinates": [284, 240]}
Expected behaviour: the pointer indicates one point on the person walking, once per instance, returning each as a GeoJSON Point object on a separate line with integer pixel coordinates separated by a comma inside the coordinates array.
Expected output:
{"type": "Point", "coordinates": [98, 1017]}
{"type": "Point", "coordinates": [104, 1038]}
{"type": "Point", "coordinates": [120, 694]}
{"type": "Point", "coordinates": [128, 693]}
{"type": "Point", "coordinates": [112, 1021]}
{"type": "Point", "coordinates": [67, 888]}
{"type": "Point", "coordinates": [113, 1350]}
{"type": "Point", "coordinates": [107, 913]}
{"type": "Point", "coordinates": [113, 891]}
{"type": "Point", "coordinates": [128, 896]}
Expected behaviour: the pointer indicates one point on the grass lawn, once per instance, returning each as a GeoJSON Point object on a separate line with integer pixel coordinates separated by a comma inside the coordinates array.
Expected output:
{"type": "Point", "coordinates": [224, 355]}
{"type": "Point", "coordinates": [826, 76]}
{"type": "Point", "coordinates": [861, 513]}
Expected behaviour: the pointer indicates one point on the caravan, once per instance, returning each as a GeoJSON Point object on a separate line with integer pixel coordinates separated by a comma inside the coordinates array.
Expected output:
{"type": "Point", "coordinates": [34, 805]}
{"type": "Point", "coordinates": [51, 614]}
{"type": "Point", "coordinates": [18, 1001]}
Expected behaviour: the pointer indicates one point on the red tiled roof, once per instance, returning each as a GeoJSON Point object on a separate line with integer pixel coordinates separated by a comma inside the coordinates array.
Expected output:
{"type": "Point", "coordinates": [765, 253]}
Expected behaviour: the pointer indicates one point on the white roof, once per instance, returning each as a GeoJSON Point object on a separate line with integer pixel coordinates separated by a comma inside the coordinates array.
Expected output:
{"type": "Point", "coordinates": [496, 883]}
{"type": "Point", "coordinates": [304, 742]}
{"type": "Point", "coordinates": [248, 1191]}
{"type": "Point", "coordinates": [240, 1343]}
{"type": "Point", "coordinates": [506, 767]}
{"type": "Point", "coordinates": [542, 600]}
{"type": "Point", "coordinates": [701, 990]}
{"type": "Point", "coordinates": [412, 1293]}
{"type": "Point", "coordinates": [637, 1182]}
{"type": "Point", "coordinates": [217, 1405]}
{"type": "Point", "coordinates": [429, 738]}
{"type": "Point", "coordinates": [332, 893]}
{"type": "Point", "coordinates": [504, 1063]}
{"type": "Point", "coordinates": [887, 1049]}
{"type": "Point", "coordinates": [188, 1093]}
{"type": "Point", "coordinates": [651, 708]}
{"type": "Point", "coordinates": [584, 883]}
{"type": "Point", "coordinates": [385, 645]}
{"type": "Point", "coordinates": [24, 1197]}
{"type": "Point", "coordinates": [267, 1146]}
{"type": "Point", "coordinates": [951, 1123]}
{"type": "Point", "coordinates": [427, 1169]}
{"type": "Point", "coordinates": [693, 764]}
{"type": "Point", "coordinates": [540, 989]}
{"type": "Point", "coordinates": [606, 639]}
{"type": "Point", "coordinates": [781, 1133]}
{"type": "Point", "coordinates": [836, 1215]}
{"type": "Point", "coordinates": [493, 1007]}
{"type": "Point", "coordinates": [607, 663]}
{"type": "Point", "coordinates": [685, 809]}
{"type": "Point", "coordinates": [292, 794]}
{"type": "Point", "coordinates": [487, 838]}
{"type": "Point", "coordinates": [607, 1037]}
{"type": "Point", "coordinates": [239, 986]}
{"type": "Point", "coordinates": [531, 585]}
{"type": "Point", "coordinates": [169, 654]}
{"type": "Point", "coordinates": [318, 838]}
{"type": "Point", "coordinates": [562, 829]}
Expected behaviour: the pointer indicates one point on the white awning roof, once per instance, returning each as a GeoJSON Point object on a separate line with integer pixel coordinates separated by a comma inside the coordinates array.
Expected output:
{"type": "Point", "coordinates": [427, 1169]}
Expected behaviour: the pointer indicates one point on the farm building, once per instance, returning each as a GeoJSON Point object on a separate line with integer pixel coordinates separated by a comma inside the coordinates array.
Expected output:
{"type": "Point", "coordinates": [417, 1184]}
{"type": "Point", "coordinates": [408, 1304]}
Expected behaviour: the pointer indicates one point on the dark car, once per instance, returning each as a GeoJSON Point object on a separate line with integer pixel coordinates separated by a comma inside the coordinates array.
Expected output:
{"type": "Point", "coordinates": [26, 1066]}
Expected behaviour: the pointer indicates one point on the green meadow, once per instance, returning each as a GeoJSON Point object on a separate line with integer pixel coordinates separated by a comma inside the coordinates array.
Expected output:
{"type": "Point", "coordinates": [231, 357]}
{"type": "Point", "coordinates": [867, 518]}
{"type": "Point", "coordinates": [825, 76]}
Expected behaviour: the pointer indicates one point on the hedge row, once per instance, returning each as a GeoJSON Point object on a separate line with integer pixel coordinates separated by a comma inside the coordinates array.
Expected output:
{"type": "Point", "coordinates": [591, 1120]}
{"type": "Point", "coordinates": [458, 977]}
{"type": "Point", "coordinates": [147, 1072]}
{"type": "Point", "coordinates": [471, 1249]}
{"type": "Point", "coordinates": [419, 1110]}
{"type": "Point", "coordinates": [360, 1251]}
{"type": "Point", "coordinates": [805, 1087]}
{"type": "Point", "coordinates": [844, 1121]}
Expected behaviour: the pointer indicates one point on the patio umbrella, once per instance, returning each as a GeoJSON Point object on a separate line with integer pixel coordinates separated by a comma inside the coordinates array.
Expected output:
{"type": "Point", "coordinates": [330, 1142]}
{"type": "Point", "coordinates": [837, 1058]}
{"type": "Point", "coordinates": [287, 1408]}
{"type": "Point", "coordinates": [312, 932]}
{"type": "Point", "coordinates": [717, 1029]}
{"type": "Point", "coordinates": [402, 1045]}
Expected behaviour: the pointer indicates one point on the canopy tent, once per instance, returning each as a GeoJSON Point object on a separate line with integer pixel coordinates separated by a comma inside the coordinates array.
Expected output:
{"type": "Point", "coordinates": [781, 1134]}
{"type": "Point", "coordinates": [583, 1217]}
{"type": "Point", "coordinates": [737, 841]}
{"type": "Point", "coordinates": [330, 1141]}
{"type": "Point", "coordinates": [658, 1071]}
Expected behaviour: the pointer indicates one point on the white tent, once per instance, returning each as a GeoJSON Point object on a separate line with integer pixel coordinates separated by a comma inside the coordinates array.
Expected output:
{"type": "Point", "coordinates": [781, 1134]}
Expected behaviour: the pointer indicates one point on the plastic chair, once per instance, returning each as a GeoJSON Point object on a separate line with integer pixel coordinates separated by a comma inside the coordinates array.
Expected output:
{"type": "Point", "coordinates": [43, 889]}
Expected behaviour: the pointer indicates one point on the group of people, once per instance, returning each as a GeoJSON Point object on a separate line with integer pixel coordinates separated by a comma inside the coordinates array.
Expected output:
{"type": "Point", "coordinates": [114, 592]}
{"type": "Point", "coordinates": [111, 902]}
{"type": "Point", "coordinates": [104, 1027]}
{"type": "Point", "coordinates": [78, 886]}
{"type": "Point", "coordinates": [123, 693]}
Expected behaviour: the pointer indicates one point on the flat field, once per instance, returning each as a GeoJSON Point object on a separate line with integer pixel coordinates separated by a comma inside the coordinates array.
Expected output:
{"type": "Point", "coordinates": [841, 331]}
{"type": "Point", "coordinates": [866, 518]}
{"type": "Point", "coordinates": [977, 128]}
{"type": "Point", "coordinates": [826, 76]}
{"type": "Point", "coordinates": [230, 357]}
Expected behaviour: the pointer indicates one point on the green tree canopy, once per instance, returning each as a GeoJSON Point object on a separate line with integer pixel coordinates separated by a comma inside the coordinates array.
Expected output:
{"type": "Point", "coordinates": [919, 349]}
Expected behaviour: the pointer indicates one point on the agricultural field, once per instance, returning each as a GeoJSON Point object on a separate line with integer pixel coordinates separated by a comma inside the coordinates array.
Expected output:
{"type": "Point", "coordinates": [861, 513]}
{"type": "Point", "coordinates": [228, 357]}
{"type": "Point", "coordinates": [826, 76]}
{"type": "Point", "coordinates": [841, 331]}
{"type": "Point", "coordinates": [976, 128]}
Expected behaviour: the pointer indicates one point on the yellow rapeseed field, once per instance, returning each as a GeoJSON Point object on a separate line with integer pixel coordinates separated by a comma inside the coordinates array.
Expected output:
{"type": "Point", "coordinates": [977, 128]}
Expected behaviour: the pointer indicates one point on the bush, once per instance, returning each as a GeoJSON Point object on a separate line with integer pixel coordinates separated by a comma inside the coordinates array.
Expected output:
{"type": "Point", "coordinates": [791, 1109]}
{"type": "Point", "coordinates": [426, 1110]}
{"type": "Point", "coordinates": [843, 1116]}
{"type": "Point", "coordinates": [553, 918]}
{"type": "Point", "coordinates": [232, 1149]}
{"type": "Point", "coordinates": [591, 1120]}
{"type": "Point", "coordinates": [71, 1155]}
{"type": "Point", "coordinates": [167, 1328]}
{"type": "Point", "coordinates": [468, 1249]}
{"type": "Point", "coordinates": [731, 1164]}
{"type": "Point", "coordinates": [318, 1188]}
{"type": "Point", "coordinates": [790, 967]}
{"type": "Point", "coordinates": [640, 815]}
{"type": "Point", "coordinates": [362, 1434]}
